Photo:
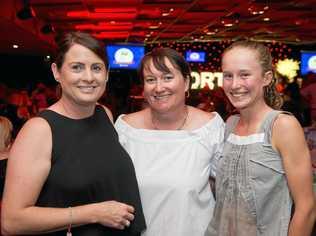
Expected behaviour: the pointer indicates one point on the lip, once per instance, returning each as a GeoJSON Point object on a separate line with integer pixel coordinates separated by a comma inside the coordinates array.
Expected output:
{"type": "Point", "coordinates": [87, 89]}
{"type": "Point", "coordinates": [161, 97]}
{"type": "Point", "coordinates": [238, 95]}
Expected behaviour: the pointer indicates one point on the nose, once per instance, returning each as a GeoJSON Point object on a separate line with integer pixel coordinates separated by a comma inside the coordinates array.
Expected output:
{"type": "Point", "coordinates": [235, 82]}
{"type": "Point", "coordinates": [89, 76]}
{"type": "Point", "coordinates": [159, 86]}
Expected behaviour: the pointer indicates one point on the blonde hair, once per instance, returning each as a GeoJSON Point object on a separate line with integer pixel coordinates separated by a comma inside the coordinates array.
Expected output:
{"type": "Point", "coordinates": [6, 128]}
{"type": "Point", "coordinates": [271, 96]}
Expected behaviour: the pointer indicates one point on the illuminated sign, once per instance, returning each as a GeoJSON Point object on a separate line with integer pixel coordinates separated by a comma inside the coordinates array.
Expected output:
{"type": "Point", "coordinates": [203, 78]}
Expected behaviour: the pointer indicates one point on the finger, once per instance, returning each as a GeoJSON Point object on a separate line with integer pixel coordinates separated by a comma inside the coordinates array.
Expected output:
{"type": "Point", "coordinates": [129, 216]}
{"type": "Point", "coordinates": [127, 223]}
{"type": "Point", "coordinates": [130, 208]}
{"type": "Point", "coordinates": [119, 226]}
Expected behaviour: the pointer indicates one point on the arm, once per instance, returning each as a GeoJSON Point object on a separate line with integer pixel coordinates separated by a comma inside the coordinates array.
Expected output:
{"type": "Point", "coordinates": [288, 139]}
{"type": "Point", "coordinates": [28, 167]}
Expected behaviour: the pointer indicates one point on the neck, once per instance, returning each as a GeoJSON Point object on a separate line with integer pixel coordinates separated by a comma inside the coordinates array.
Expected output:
{"type": "Point", "coordinates": [175, 120]}
{"type": "Point", "coordinates": [75, 111]}
{"type": "Point", "coordinates": [251, 118]}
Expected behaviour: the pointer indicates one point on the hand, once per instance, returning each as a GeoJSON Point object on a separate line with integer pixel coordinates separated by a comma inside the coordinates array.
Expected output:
{"type": "Point", "coordinates": [115, 214]}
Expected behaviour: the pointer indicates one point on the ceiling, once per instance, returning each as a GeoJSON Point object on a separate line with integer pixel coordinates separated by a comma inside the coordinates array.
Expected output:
{"type": "Point", "coordinates": [153, 21]}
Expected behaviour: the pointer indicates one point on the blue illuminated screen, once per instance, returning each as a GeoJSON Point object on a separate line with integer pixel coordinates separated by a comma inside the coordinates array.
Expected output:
{"type": "Point", "coordinates": [194, 56]}
{"type": "Point", "coordinates": [308, 62]}
{"type": "Point", "coordinates": [124, 56]}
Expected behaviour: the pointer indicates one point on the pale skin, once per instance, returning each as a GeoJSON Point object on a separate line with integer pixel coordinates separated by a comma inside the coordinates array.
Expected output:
{"type": "Point", "coordinates": [245, 93]}
{"type": "Point", "coordinates": [30, 159]}
{"type": "Point", "coordinates": [168, 113]}
{"type": "Point", "coordinates": [165, 94]}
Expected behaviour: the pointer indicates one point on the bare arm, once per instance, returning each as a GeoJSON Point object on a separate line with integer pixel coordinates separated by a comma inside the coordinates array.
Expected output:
{"type": "Point", "coordinates": [28, 167]}
{"type": "Point", "coordinates": [288, 139]}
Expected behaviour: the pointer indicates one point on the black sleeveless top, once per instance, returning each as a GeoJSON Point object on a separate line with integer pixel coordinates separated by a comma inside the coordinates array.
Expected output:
{"type": "Point", "coordinates": [89, 165]}
{"type": "Point", "coordinates": [3, 167]}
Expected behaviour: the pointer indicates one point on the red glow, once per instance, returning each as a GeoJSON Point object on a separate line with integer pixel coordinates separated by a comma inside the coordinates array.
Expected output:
{"type": "Point", "coordinates": [111, 35]}
{"type": "Point", "coordinates": [116, 10]}
{"type": "Point", "coordinates": [103, 16]}
{"type": "Point", "coordinates": [103, 27]}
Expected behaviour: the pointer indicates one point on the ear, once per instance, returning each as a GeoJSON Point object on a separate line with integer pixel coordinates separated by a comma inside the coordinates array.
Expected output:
{"type": "Point", "coordinates": [187, 83]}
{"type": "Point", "coordinates": [267, 78]}
{"type": "Point", "coordinates": [55, 71]}
{"type": "Point", "coordinates": [107, 76]}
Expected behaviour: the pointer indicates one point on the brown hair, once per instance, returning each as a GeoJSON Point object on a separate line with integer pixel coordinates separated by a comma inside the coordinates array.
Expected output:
{"type": "Point", "coordinates": [158, 56]}
{"type": "Point", "coordinates": [6, 128]}
{"type": "Point", "coordinates": [271, 96]}
{"type": "Point", "coordinates": [65, 41]}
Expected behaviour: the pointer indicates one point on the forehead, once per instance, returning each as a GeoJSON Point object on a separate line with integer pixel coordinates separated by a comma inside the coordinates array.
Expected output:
{"type": "Point", "coordinates": [78, 52]}
{"type": "Point", "coordinates": [151, 68]}
{"type": "Point", "coordinates": [240, 57]}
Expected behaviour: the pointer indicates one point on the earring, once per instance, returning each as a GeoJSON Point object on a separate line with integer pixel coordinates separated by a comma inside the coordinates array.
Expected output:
{"type": "Point", "coordinates": [187, 93]}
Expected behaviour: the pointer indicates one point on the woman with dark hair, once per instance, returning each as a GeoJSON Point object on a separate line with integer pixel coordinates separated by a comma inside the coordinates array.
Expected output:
{"type": "Point", "coordinates": [266, 163]}
{"type": "Point", "coordinates": [174, 148]}
{"type": "Point", "coordinates": [67, 171]}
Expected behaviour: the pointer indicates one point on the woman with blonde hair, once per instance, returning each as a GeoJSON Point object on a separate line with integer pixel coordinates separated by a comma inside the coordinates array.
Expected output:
{"type": "Point", "coordinates": [266, 163]}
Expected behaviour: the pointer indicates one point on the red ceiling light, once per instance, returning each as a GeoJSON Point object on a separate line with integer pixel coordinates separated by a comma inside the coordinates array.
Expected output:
{"type": "Point", "coordinates": [102, 15]}
{"type": "Point", "coordinates": [111, 35]}
{"type": "Point", "coordinates": [116, 9]}
{"type": "Point", "coordinates": [103, 27]}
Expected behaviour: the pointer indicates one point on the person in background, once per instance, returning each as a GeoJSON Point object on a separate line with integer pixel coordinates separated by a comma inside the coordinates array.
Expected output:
{"type": "Point", "coordinates": [309, 94]}
{"type": "Point", "coordinates": [295, 104]}
{"type": "Point", "coordinates": [6, 129]}
{"type": "Point", "coordinates": [67, 170]}
{"type": "Point", "coordinates": [174, 148]}
{"type": "Point", "coordinates": [266, 163]}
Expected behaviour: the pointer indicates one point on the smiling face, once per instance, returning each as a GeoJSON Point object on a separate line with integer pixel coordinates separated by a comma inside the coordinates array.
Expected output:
{"type": "Point", "coordinates": [243, 77]}
{"type": "Point", "coordinates": [164, 91]}
{"type": "Point", "coordinates": [82, 76]}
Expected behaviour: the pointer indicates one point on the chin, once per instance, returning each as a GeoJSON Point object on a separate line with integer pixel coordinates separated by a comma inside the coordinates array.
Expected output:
{"type": "Point", "coordinates": [160, 109]}
{"type": "Point", "coordinates": [88, 100]}
{"type": "Point", "coordinates": [240, 105]}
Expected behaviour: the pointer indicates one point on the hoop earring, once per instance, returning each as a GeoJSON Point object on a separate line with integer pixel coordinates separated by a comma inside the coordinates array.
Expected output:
{"type": "Point", "coordinates": [187, 93]}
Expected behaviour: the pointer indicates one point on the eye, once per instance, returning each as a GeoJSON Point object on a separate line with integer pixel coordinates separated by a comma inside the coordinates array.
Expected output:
{"type": "Point", "coordinates": [244, 75]}
{"type": "Point", "coordinates": [77, 67]}
{"type": "Point", "coordinates": [227, 76]}
{"type": "Point", "coordinates": [97, 68]}
{"type": "Point", "coordinates": [150, 80]}
{"type": "Point", "coordinates": [168, 77]}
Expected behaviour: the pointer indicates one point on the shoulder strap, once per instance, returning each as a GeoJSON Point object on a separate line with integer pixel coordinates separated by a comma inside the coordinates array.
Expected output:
{"type": "Point", "coordinates": [230, 125]}
{"type": "Point", "coordinates": [267, 124]}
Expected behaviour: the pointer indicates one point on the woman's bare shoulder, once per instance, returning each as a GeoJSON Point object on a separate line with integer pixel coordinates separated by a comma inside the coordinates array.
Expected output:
{"type": "Point", "coordinates": [201, 115]}
{"type": "Point", "coordinates": [198, 118]}
{"type": "Point", "coordinates": [136, 119]}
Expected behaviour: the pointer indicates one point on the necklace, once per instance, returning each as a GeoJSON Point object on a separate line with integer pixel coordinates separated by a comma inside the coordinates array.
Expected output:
{"type": "Point", "coordinates": [180, 127]}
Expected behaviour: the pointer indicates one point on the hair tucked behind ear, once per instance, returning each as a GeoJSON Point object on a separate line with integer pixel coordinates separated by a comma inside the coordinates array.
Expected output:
{"type": "Point", "coordinates": [271, 96]}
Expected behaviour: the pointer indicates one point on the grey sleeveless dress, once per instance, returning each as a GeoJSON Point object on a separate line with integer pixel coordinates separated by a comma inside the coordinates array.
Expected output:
{"type": "Point", "coordinates": [252, 195]}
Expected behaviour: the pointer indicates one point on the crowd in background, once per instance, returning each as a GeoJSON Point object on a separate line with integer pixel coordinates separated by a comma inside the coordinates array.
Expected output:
{"type": "Point", "coordinates": [299, 98]}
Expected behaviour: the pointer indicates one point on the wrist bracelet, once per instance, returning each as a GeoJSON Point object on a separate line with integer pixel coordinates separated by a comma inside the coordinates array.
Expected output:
{"type": "Point", "coordinates": [70, 222]}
